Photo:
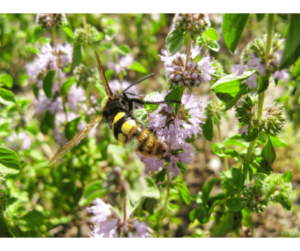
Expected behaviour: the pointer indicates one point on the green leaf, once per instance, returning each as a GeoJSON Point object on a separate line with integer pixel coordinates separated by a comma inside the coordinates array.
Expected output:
{"type": "Point", "coordinates": [236, 204]}
{"type": "Point", "coordinates": [6, 97]}
{"type": "Point", "coordinates": [48, 82]}
{"type": "Point", "coordinates": [208, 128]}
{"type": "Point", "coordinates": [33, 218]}
{"type": "Point", "coordinates": [174, 41]}
{"type": "Point", "coordinates": [201, 214]}
{"type": "Point", "coordinates": [77, 55]}
{"type": "Point", "coordinates": [247, 170]}
{"type": "Point", "coordinates": [71, 128]}
{"type": "Point", "coordinates": [263, 166]}
{"type": "Point", "coordinates": [175, 94]}
{"type": "Point", "coordinates": [212, 34]}
{"type": "Point", "coordinates": [7, 80]}
{"type": "Point", "coordinates": [141, 115]}
{"type": "Point", "coordinates": [182, 167]}
{"type": "Point", "coordinates": [228, 223]}
{"type": "Point", "coordinates": [9, 161]}
{"type": "Point", "coordinates": [206, 189]}
{"type": "Point", "coordinates": [232, 29]}
{"type": "Point", "coordinates": [101, 36]}
{"type": "Point", "coordinates": [291, 50]}
{"type": "Point", "coordinates": [236, 140]}
{"type": "Point", "coordinates": [212, 45]}
{"type": "Point", "coordinates": [252, 135]}
{"type": "Point", "coordinates": [124, 49]}
{"type": "Point", "coordinates": [68, 31]}
{"type": "Point", "coordinates": [92, 191]}
{"type": "Point", "coordinates": [136, 66]}
{"type": "Point", "coordinates": [184, 193]}
{"type": "Point", "coordinates": [268, 152]}
{"type": "Point", "coordinates": [263, 83]}
{"type": "Point", "coordinates": [152, 190]}
{"type": "Point", "coordinates": [36, 33]}
{"type": "Point", "coordinates": [229, 154]}
{"type": "Point", "coordinates": [67, 85]}
{"type": "Point", "coordinates": [276, 142]}
{"type": "Point", "coordinates": [116, 155]}
{"type": "Point", "coordinates": [35, 90]}
{"type": "Point", "coordinates": [135, 192]}
{"type": "Point", "coordinates": [230, 88]}
{"type": "Point", "coordinates": [235, 177]}
{"type": "Point", "coordinates": [288, 176]}
{"type": "Point", "coordinates": [286, 204]}
{"type": "Point", "coordinates": [160, 177]}
{"type": "Point", "coordinates": [47, 122]}
{"type": "Point", "coordinates": [259, 17]}
{"type": "Point", "coordinates": [149, 205]}
{"type": "Point", "coordinates": [4, 229]}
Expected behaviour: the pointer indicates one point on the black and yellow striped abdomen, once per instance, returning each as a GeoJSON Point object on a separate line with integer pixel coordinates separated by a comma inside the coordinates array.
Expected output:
{"type": "Point", "coordinates": [125, 128]}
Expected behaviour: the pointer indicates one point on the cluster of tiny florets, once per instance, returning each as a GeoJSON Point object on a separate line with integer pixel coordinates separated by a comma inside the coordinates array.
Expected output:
{"type": "Point", "coordinates": [84, 76]}
{"type": "Point", "coordinates": [273, 119]}
{"type": "Point", "coordinates": [124, 63]}
{"type": "Point", "coordinates": [193, 23]}
{"type": "Point", "coordinates": [182, 72]}
{"type": "Point", "coordinates": [108, 223]}
{"type": "Point", "coordinates": [51, 20]}
{"type": "Point", "coordinates": [245, 114]}
{"type": "Point", "coordinates": [88, 36]}
{"type": "Point", "coordinates": [174, 128]}
{"type": "Point", "coordinates": [253, 58]}
{"type": "Point", "coordinates": [50, 58]}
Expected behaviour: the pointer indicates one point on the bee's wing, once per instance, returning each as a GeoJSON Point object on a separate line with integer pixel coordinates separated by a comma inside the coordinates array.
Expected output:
{"type": "Point", "coordinates": [75, 141]}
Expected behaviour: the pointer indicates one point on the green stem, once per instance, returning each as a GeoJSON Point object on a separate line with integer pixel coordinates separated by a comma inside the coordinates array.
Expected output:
{"type": "Point", "coordinates": [188, 51]}
{"type": "Point", "coordinates": [219, 129]}
{"type": "Point", "coordinates": [164, 209]}
{"type": "Point", "coordinates": [261, 96]}
{"type": "Point", "coordinates": [54, 40]}
{"type": "Point", "coordinates": [269, 35]}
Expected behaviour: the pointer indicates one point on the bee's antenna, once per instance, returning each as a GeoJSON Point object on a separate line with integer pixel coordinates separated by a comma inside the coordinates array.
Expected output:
{"type": "Point", "coordinates": [102, 73]}
{"type": "Point", "coordinates": [139, 81]}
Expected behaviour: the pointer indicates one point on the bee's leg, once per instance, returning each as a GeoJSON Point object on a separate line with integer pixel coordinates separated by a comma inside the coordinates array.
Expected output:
{"type": "Point", "coordinates": [131, 93]}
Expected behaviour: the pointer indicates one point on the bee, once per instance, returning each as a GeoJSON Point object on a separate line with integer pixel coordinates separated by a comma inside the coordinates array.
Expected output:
{"type": "Point", "coordinates": [117, 110]}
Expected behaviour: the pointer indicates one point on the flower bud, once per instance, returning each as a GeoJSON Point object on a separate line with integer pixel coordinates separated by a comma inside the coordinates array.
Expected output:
{"type": "Point", "coordinates": [88, 36]}
{"type": "Point", "coordinates": [273, 119]}
{"type": "Point", "coordinates": [194, 24]}
{"type": "Point", "coordinates": [51, 20]}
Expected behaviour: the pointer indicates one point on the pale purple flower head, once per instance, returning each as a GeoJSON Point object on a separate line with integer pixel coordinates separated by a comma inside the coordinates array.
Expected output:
{"type": "Point", "coordinates": [255, 64]}
{"type": "Point", "coordinates": [280, 75]}
{"type": "Point", "coordinates": [181, 72]}
{"type": "Point", "coordinates": [48, 59]}
{"type": "Point", "coordinates": [18, 141]}
{"type": "Point", "coordinates": [206, 68]}
{"type": "Point", "coordinates": [177, 127]}
{"type": "Point", "coordinates": [252, 81]}
{"type": "Point", "coordinates": [238, 69]}
{"type": "Point", "coordinates": [142, 230]}
{"type": "Point", "coordinates": [278, 56]}
{"type": "Point", "coordinates": [75, 95]}
{"type": "Point", "coordinates": [123, 64]}
{"type": "Point", "coordinates": [43, 104]}
{"type": "Point", "coordinates": [109, 223]}
{"type": "Point", "coordinates": [183, 153]}
{"type": "Point", "coordinates": [60, 120]}
{"type": "Point", "coordinates": [243, 129]}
